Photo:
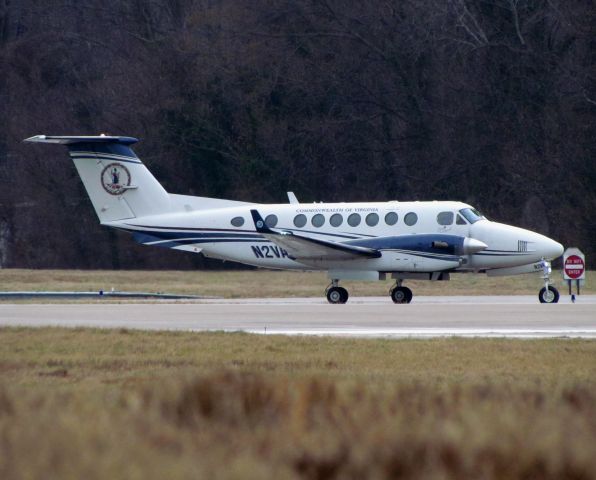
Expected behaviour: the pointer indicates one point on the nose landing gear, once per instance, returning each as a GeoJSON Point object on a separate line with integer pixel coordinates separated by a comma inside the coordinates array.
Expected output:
{"type": "Point", "coordinates": [548, 293]}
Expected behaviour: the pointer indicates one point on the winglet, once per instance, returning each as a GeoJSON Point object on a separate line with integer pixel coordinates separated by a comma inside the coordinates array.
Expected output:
{"type": "Point", "coordinates": [260, 224]}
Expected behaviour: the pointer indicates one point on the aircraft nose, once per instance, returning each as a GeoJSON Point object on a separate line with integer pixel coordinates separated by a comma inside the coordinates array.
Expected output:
{"type": "Point", "coordinates": [551, 249]}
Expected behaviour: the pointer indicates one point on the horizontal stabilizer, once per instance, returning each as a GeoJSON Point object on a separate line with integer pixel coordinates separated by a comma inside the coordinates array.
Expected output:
{"type": "Point", "coordinates": [72, 140]}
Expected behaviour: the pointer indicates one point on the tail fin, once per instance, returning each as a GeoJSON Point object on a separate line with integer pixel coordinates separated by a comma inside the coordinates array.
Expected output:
{"type": "Point", "coordinates": [117, 182]}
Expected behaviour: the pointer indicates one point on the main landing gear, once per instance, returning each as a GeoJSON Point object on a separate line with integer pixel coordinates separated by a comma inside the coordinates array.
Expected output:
{"type": "Point", "coordinates": [401, 294]}
{"type": "Point", "coordinates": [337, 294]}
{"type": "Point", "coordinates": [548, 293]}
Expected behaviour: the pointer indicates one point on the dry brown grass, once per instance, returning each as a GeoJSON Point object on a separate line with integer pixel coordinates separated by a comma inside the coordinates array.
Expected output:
{"type": "Point", "coordinates": [130, 404]}
{"type": "Point", "coordinates": [260, 283]}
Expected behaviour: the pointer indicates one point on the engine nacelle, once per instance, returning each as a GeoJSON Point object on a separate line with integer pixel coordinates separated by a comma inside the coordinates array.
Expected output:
{"type": "Point", "coordinates": [429, 243]}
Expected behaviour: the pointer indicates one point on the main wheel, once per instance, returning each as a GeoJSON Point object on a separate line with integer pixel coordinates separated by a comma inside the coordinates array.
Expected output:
{"type": "Point", "coordinates": [548, 296]}
{"type": "Point", "coordinates": [401, 295]}
{"type": "Point", "coordinates": [337, 295]}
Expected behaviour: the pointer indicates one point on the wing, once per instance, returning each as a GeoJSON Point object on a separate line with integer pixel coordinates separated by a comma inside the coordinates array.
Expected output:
{"type": "Point", "coordinates": [302, 247]}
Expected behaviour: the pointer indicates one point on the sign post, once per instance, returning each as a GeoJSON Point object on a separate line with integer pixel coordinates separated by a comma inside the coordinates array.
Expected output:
{"type": "Point", "coordinates": [574, 267]}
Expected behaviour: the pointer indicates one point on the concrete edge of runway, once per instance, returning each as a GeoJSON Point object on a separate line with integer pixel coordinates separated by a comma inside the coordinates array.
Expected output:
{"type": "Point", "coordinates": [427, 333]}
{"type": "Point", "coordinates": [375, 317]}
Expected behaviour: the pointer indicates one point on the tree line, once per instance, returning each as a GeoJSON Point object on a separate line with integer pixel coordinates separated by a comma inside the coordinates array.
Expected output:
{"type": "Point", "coordinates": [489, 102]}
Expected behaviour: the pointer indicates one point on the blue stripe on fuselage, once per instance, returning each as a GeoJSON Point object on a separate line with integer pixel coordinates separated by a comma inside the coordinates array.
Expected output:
{"type": "Point", "coordinates": [417, 245]}
{"type": "Point", "coordinates": [172, 244]}
{"type": "Point", "coordinates": [185, 238]}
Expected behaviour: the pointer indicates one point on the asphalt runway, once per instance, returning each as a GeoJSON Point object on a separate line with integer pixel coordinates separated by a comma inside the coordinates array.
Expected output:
{"type": "Point", "coordinates": [516, 316]}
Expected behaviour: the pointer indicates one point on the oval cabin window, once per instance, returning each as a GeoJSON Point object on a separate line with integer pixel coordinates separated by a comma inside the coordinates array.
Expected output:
{"type": "Point", "coordinates": [271, 221]}
{"type": "Point", "coordinates": [336, 220]}
{"type": "Point", "coordinates": [354, 220]}
{"type": "Point", "coordinates": [410, 219]}
{"type": "Point", "coordinates": [318, 220]}
{"type": "Point", "coordinates": [391, 218]}
{"type": "Point", "coordinates": [237, 221]}
{"type": "Point", "coordinates": [300, 220]}
{"type": "Point", "coordinates": [372, 219]}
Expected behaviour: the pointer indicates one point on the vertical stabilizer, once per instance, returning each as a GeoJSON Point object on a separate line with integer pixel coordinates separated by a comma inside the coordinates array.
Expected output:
{"type": "Point", "coordinates": [117, 182]}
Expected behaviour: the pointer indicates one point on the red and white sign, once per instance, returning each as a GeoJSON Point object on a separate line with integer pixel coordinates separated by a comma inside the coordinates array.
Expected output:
{"type": "Point", "coordinates": [574, 264]}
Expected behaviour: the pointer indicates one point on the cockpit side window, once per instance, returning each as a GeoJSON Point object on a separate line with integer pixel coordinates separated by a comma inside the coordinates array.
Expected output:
{"type": "Point", "coordinates": [460, 220]}
{"type": "Point", "coordinates": [445, 218]}
{"type": "Point", "coordinates": [471, 214]}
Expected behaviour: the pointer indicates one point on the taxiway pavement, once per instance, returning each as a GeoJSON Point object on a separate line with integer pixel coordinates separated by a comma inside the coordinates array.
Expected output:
{"type": "Point", "coordinates": [497, 316]}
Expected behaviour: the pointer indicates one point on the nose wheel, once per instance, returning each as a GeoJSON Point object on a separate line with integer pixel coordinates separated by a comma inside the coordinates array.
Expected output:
{"type": "Point", "coordinates": [548, 295]}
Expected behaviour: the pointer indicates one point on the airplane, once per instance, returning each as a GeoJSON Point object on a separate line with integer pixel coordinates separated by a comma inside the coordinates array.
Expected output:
{"type": "Point", "coordinates": [350, 241]}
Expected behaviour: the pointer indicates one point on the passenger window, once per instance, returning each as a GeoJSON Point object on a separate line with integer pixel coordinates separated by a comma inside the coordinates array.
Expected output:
{"type": "Point", "coordinates": [318, 220]}
{"type": "Point", "coordinates": [445, 218]}
{"type": "Point", "coordinates": [271, 221]}
{"type": "Point", "coordinates": [354, 220]}
{"type": "Point", "coordinates": [410, 219]}
{"type": "Point", "coordinates": [336, 220]}
{"type": "Point", "coordinates": [372, 219]}
{"type": "Point", "coordinates": [460, 220]}
{"type": "Point", "coordinates": [300, 220]}
{"type": "Point", "coordinates": [237, 221]}
{"type": "Point", "coordinates": [391, 218]}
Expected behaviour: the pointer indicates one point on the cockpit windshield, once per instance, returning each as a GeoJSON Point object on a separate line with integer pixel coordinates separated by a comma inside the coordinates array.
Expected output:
{"type": "Point", "coordinates": [471, 214]}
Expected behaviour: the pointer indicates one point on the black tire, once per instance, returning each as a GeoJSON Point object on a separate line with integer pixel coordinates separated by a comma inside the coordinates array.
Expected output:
{"type": "Point", "coordinates": [550, 296]}
{"type": "Point", "coordinates": [337, 295]}
{"type": "Point", "coordinates": [401, 295]}
{"type": "Point", "coordinates": [409, 294]}
{"type": "Point", "coordinates": [344, 295]}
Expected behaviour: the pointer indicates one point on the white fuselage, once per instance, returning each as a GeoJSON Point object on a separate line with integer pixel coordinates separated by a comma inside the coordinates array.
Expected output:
{"type": "Point", "coordinates": [230, 234]}
{"type": "Point", "coordinates": [365, 241]}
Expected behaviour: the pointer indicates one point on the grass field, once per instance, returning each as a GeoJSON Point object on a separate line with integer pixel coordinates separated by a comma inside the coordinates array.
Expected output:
{"type": "Point", "coordinates": [262, 283]}
{"type": "Point", "coordinates": [98, 404]}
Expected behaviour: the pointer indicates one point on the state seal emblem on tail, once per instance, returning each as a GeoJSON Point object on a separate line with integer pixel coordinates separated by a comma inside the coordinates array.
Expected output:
{"type": "Point", "coordinates": [115, 178]}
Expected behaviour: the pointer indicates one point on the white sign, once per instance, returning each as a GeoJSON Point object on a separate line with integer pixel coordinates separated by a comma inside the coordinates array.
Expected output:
{"type": "Point", "coordinates": [574, 264]}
